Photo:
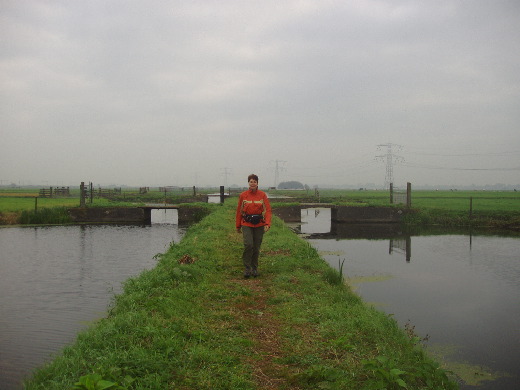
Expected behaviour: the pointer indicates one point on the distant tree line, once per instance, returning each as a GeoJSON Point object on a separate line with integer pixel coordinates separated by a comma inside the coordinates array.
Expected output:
{"type": "Point", "coordinates": [291, 185]}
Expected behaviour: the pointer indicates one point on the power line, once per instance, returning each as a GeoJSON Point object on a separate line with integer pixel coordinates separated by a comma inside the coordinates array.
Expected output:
{"type": "Point", "coordinates": [463, 154]}
{"type": "Point", "coordinates": [420, 151]}
{"type": "Point", "coordinates": [412, 165]}
{"type": "Point", "coordinates": [339, 170]}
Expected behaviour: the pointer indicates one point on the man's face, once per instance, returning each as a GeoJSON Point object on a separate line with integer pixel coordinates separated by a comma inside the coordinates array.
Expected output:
{"type": "Point", "coordinates": [253, 184]}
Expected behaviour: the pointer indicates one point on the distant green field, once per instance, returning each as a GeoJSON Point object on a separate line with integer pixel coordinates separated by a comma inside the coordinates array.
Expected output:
{"type": "Point", "coordinates": [460, 201]}
{"type": "Point", "coordinates": [500, 201]}
{"type": "Point", "coordinates": [20, 199]}
{"type": "Point", "coordinates": [12, 200]}
{"type": "Point", "coordinates": [15, 204]}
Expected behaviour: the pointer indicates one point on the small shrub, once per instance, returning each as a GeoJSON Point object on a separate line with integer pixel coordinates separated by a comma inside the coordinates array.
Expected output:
{"type": "Point", "coordinates": [335, 277]}
{"type": "Point", "coordinates": [54, 215]}
{"type": "Point", "coordinates": [387, 376]}
{"type": "Point", "coordinates": [96, 382]}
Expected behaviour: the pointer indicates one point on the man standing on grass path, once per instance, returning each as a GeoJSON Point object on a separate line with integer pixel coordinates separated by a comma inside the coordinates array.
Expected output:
{"type": "Point", "coordinates": [253, 219]}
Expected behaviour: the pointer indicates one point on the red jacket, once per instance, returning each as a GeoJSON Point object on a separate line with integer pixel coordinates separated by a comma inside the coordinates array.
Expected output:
{"type": "Point", "coordinates": [253, 203]}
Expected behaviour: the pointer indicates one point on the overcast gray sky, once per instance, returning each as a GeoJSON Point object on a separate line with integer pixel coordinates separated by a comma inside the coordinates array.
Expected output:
{"type": "Point", "coordinates": [206, 92]}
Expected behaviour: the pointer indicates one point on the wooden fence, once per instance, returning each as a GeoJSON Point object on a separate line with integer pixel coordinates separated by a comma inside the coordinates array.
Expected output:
{"type": "Point", "coordinates": [108, 193]}
{"type": "Point", "coordinates": [399, 196]}
{"type": "Point", "coordinates": [54, 192]}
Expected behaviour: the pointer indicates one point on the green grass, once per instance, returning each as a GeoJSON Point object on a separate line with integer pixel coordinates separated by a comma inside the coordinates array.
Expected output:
{"type": "Point", "coordinates": [451, 200]}
{"type": "Point", "coordinates": [28, 210]}
{"type": "Point", "coordinates": [45, 216]}
{"type": "Point", "coordinates": [14, 204]}
{"type": "Point", "coordinates": [460, 200]}
{"type": "Point", "coordinates": [497, 209]}
{"type": "Point", "coordinates": [452, 208]}
{"type": "Point", "coordinates": [16, 200]}
{"type": "Point", "coordinates": [202, 326]}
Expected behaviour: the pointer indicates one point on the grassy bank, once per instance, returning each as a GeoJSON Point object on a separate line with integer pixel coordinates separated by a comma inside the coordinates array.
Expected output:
{"type": "Point", "coordinates": [25, 211]}
{"type": "Point", "coordinates": [193, 322]}
{"type": "Point", "coordinates": [55, 215]}
{"type": "Point", "coordinates": [455, 218]}
{"type": "Point", "coordinates": [495, 209]}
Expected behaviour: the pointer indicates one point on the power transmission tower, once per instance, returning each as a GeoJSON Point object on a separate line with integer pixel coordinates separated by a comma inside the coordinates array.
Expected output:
{"type": "Point", "coordinates": [390, 158]}
{"type": "Point", "coordinates": [225, 173]}
{"type": "Point", "coordinates": [277, 168]}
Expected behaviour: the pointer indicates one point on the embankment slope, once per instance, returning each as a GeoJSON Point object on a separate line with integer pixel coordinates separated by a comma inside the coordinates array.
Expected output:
{"type": "Point", "coordinates": [193, 322]}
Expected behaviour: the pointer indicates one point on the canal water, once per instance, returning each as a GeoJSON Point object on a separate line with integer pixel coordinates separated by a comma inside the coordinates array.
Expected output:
{"type": "Point", "coordinates": [459, 289]}
{"type": "Point", "coordinates": [54, 281]}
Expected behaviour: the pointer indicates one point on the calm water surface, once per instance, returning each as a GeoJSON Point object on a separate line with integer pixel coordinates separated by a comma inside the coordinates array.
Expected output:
{"type": "Point", "coordinates": [56, 280]}
{"type": "Point", "coordinates": [462, 290]}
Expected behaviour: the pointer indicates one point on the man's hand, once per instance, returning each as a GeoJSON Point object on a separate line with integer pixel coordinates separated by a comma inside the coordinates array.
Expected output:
{"type": "Point", "coordinates": [266, 228]}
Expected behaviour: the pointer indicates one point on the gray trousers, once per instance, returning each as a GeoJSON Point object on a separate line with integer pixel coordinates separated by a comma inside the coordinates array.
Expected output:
{"type": "Point", "coordinates": [252, 241]}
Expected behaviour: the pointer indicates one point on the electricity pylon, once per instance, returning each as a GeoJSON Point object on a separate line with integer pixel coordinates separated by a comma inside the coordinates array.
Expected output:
{"type": "Point", "coordinates": [225, 173]}
{"type": "Point", "coordinates": [390, 158]}
{"type": "Point", "coordinates": [277, 168]}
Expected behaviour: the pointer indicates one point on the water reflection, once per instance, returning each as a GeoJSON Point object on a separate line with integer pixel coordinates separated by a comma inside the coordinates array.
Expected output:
{"type": "Point", "coordinates": [460, 288]}
{"type": "Point", "coordinates": [215, 198]}
{"type": "Point", "coordinates": [55, 280]}
{"type": "Point", "coordinates": [401, 245]}
{"type": "Point", "coordinates": [316, 221]}
{"type": "Point", "coordinates": [165, 216]}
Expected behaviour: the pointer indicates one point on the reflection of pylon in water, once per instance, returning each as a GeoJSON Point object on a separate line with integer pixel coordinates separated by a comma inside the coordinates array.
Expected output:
{"type": "Point", "coordinates": [389, 157]}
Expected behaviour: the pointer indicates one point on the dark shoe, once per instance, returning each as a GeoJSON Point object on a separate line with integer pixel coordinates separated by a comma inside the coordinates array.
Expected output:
{"type": "Point", "coordinates": [247, 274]}
{"type": "Point", "coordinates": [255, 273]}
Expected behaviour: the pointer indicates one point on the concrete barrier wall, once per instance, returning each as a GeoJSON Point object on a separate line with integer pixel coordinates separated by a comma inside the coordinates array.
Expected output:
{"type": "Point", "coordinates": [363, 230]}
{"type": "Point", "coordinates": [190, 214]}
{"type": "Point", "coordinates": [340, 214]}
{"type": "Point", "coordinates": [131, 215]}
{"type": "Point", "coordinates": [345, 214]}
{"type": "Point", "coordinates": [108, 215]}
{"type": "Point", "coordinates": [289, 213]}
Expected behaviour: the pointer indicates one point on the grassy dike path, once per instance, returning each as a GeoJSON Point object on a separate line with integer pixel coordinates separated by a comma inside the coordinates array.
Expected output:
{"type": "Point", "coordinates": [202, 326]}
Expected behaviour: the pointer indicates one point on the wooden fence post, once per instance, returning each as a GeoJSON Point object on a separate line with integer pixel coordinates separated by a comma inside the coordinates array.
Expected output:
{"type": "Point", "coordinates": [470, 207]}
{"type": "Point", "coordinates": [221, 194]}
{"type": "Point", "coordinates": [36, 204]}
{"type": "Point", "coordinates": [391, 193]}
{"type": "Point", "coordinates": [408, 195]}
{"type": "Point", "coordinates": [82, 194]}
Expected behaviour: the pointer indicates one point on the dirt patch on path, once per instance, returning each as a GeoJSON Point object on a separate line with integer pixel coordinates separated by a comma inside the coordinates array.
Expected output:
{"type": "Point", "coordinates": [264, 329]}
